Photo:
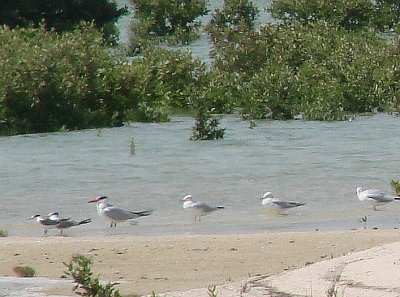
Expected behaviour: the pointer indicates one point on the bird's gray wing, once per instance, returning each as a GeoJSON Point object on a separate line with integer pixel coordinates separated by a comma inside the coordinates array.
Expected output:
{"type": "Point", "coordinates": [374, 192]}
{"type": "Point", "coordinates": [63, 224]}
{"type": "Point", "coordinates": [295, 204]}
{"type": "Point", "coordinates": [203, 207]}
{"type": "Point", "coordinates": [118, 214]}
{"type": "Point", "coordinates": [285, 204]}
{"type": "Point", "coordinates": [380, 198]}
{"type": "Point", "coordinates": [378, 195]}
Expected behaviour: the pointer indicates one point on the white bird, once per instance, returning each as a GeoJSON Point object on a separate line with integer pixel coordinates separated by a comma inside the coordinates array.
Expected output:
{"type": "Point", "coordinates": [375, 197]}
{"type": "Point", "coordinates": [115, 214]}
{"type": "Point", "coordinates": [269, 200]}
{"type": "Point", "coordinates": [197, 208]}
{"type": "Point", "coordinates": [66, 223]}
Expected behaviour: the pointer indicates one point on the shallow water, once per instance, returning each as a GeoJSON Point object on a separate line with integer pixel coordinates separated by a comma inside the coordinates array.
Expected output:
{"type": "Point", "coordinates": [27, 287]}
{"type": "Point", "coordinates": [319, 163]}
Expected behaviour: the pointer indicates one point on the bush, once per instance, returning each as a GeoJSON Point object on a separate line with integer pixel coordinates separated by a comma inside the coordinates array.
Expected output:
{"type": "Point", "coordinates": [50, 82]}
{"type": "Point", "coordinates": [167, 81]}
{"type": "Point", "coordinates": [351, 15]}
{"type": "Point", "coordinates": [4, 233]}
{"type": "Point", "coordinates": [206, 127]}
{"type": "Point", "coordinates": [24, 271]}
{"type": "Point", "coordinates": [166, 18]}
{"type": "Point", "coordinates": [62, 15]}
{"type": "Point", "coordinates": [80, 269]}
{"type": "Point", "coordinates": [314, 70]}
{"type": "Point", "coordinates": [395, 183]}
{"type": "Point", "coordinates": [382, 15]}
{"type": "Point", "coordinates": [236, 44]}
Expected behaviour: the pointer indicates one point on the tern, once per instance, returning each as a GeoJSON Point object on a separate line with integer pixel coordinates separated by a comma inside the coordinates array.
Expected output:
{"type": "Point", "coordinates": [197, 208]}
{"type": "Point", "coordinates": [115, 214]}
{"type": "Point", "coordinates": [66, 223]}
{"type": "Point", "coordinates": [269, 200]}
{"type": "Point", "coordinates": [46, 222]}
{"type": "Point", "coordinates": [375, 197]}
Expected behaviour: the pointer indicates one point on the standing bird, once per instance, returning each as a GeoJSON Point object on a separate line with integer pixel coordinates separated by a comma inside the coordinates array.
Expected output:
{"type": "Point", "coordinates": [375, 197]}
{"type": "Point", "coordinates": [115, 214]}
{"type": "Point", "coordinates": [66, 223]}
{"type": "Point", "coordinates": [269, 200]}
{"type": "Point", "coordinates": [197, 208]}
{"type": "Point", "coordinates": [46, 222]}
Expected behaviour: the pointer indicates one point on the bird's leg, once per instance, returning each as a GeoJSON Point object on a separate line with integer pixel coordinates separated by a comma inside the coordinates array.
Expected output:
{"type": "Point", "coordinates": [45, 231]}
{"type": "Point", "coordinates": [111, 224]}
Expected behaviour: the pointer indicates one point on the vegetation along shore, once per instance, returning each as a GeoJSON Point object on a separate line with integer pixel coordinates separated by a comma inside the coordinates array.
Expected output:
{"type": "Point", "coordinates": [317, 61]}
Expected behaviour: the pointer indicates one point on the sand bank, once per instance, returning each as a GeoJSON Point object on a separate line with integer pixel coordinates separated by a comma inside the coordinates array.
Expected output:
{"type": "Point", "coordinates": [179, 263]}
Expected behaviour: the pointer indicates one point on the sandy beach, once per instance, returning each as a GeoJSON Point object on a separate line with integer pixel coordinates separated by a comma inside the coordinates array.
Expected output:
{"type": "Point", "coordinates": [179, 263]}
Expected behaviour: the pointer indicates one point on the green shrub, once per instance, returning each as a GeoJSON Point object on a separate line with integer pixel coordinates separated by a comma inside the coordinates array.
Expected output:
{"type": "Point", "coordinates": [166, 18]}
{"type": "Point", "coordinates": [382, 15]}
{"type": "Point", "coordinates": [50, 82]}
{"type": "Point", "coordinates": [4, 233]}
{"type": "Point", "coordinates": [236, 45]}
{"type": "Point", "coordinates": [24, 271]}
{"type": "Point", "coordinates": [206, 127]}
{"type": "Point", "coordinates": [351, 15]}
{"type": "Point", "coordinates": [395, 183]}
{"type": "Point", "coordinates": [63, 15]}
{"type": "Point", "coordinates": [80, 269]}
{"type": "Point", "coordinates": [314, 70]}
{"type": "Point", "coordinates": [166, 81]}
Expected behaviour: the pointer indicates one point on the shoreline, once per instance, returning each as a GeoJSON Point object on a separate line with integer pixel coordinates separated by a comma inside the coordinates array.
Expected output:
{"type": "Point", "coordinates": [146, 264]}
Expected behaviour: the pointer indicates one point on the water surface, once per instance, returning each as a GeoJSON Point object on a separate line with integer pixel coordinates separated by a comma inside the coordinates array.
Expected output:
{"type": "Point", "coordinates": [319, 163]}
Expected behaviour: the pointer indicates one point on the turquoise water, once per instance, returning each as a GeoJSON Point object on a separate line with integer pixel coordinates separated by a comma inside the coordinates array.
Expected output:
{"type": "Point", "coordinates": [319, 163]}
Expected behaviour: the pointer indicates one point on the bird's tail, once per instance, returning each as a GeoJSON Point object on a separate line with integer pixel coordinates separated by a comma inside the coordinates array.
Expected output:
{"type": "Point", "coordinates": [298, 203]}
{"type": "Point", "coordinates": [143, 213]}
{"type": "Point", "coordinates": [396, 198]}
{"type": "Point", "coordinates": [86, 221]}
{"type": "Point", "coordinates": [220, 207]}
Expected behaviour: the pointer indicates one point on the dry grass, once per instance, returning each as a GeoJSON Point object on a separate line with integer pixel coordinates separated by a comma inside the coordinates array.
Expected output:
{"type": "Point", "coordinates": [24, 271]}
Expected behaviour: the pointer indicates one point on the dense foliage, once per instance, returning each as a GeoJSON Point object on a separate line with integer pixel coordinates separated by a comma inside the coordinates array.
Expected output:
{"type": "Point", "coordinates": [62, 15]}
{"type": "Point", "coordinates": [174, 20]}
{"type": "Point", "coordinates": [50, 81]}
{"type": "Point", "coordinates": [325, 60]}
{"type": "Point", "coordinates": [166, 81]}
{"type": "Point", "coordinates": [382, 15]}
{"type": "Point", "coordinates": [231, 28]}
{"type": "Point", "coordinates": [317, 70]}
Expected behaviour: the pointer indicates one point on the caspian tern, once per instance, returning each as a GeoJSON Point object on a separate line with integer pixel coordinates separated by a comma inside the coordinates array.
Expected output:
{"type": "Point", "coordinates": [66, 223]}
{"type": "Point", "coordinates": [375, 197]}
{"type": "Point", "coordinates": [280, 205]}
{"type": "Point", "coordinates": [197, 208]}
{"type": "Point", "coordinates": [115, 214]}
